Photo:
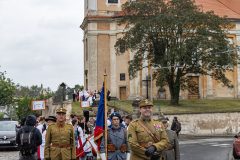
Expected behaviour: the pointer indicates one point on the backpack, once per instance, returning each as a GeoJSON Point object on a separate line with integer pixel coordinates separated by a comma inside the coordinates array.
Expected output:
{"type": "Point", "coordinates": [27, 142]}
{"type": "Point", "coordinates": [178, 126]}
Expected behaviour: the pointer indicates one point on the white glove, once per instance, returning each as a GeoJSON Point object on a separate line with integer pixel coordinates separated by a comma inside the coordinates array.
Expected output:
{"type": "Point", "coordinates": [103, 156]}
{"type": "Point", "coordinates": [128, 156]}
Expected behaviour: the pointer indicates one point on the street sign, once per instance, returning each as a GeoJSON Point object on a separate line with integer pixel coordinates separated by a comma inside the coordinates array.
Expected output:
{"type": "Point", "coordinates": [38, 105]}
{"type": "Point", "coordinates": [85, 104]}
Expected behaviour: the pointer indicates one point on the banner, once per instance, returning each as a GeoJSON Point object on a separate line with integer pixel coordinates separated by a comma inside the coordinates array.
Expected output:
{"type": "Point", "coordinates": [85, 104]}
{"type": "Point", "coordinates": [38, 105]}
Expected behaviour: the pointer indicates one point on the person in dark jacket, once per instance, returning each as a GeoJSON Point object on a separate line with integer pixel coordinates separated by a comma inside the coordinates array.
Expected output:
{"type": "Point", "coordinates": [36, 139]}
{"type": "Point", "coordinates": [176, 125]}
{"type": "Point", "coordinates": [172, 151]}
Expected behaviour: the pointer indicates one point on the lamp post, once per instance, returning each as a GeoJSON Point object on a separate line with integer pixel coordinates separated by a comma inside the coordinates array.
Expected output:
{"type": "Point", "coordinates": [146, 80]}
{"type": "Point", "coordinates": [63, 85]}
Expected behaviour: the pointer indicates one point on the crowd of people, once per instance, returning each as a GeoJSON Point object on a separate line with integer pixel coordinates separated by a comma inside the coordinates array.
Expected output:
{"type": "Point", "coordinates": [51, 138]}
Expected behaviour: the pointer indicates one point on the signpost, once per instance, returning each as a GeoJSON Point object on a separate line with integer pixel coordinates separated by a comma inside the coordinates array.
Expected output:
{"type": "Point", "coordinates": [38, 105]}
{"type": "Point", "coordinates": [85, 104]}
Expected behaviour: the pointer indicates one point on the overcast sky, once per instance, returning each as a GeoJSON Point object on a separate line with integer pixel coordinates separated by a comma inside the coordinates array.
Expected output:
{"type": "Point", "coordinates": [41, 42]}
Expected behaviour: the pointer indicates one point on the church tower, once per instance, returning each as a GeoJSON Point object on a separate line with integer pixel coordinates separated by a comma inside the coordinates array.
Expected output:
{"type": "Point", "coordinates": [100, 34]}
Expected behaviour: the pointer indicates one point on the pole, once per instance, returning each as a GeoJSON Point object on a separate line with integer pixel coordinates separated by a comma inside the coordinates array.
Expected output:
{"type": "Point", "coordinates": [105, 113]}
{"type": "Point", "coordinates": [151, 84]}
{"type": "Point", "coordinates": [147, 86]}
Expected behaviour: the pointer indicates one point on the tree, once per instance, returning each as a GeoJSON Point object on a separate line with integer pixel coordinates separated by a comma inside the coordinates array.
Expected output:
{"type": "Point", "coordinates": [24, 107]}
{"type": "Point", "coordinates": [78, 87]}
{"type": "Point", "coordinates": [176, 38]}
{"type": "Point", "coordinates": [7, 89]}
{"type": "Point", "coordinates": [37, 92]}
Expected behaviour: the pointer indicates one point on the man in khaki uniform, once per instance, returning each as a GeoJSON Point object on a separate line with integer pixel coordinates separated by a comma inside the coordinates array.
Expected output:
{"type": "Point", "coordinates": [147, 137]}
{"type": "Point", "coordinates": [60, 142]}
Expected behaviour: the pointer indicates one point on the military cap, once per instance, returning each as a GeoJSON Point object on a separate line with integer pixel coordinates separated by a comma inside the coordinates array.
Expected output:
{"type": "Point", "coordinates": [164, 119]}
{"type": "Point", "coordinates": [115, 114]}
{"type": "Point", "coordinates": [145, 102]}
{"type": "Point", "coordinates": [61, 110]}
{"type": "Point", "coordinates": [51, 118]}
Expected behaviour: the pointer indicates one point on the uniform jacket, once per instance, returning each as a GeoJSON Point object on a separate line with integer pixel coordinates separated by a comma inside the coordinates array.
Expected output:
{"type": "Point", "coordinates": [60, 142]}
{"type": "Point", "coordinates": [139, 139]}
{"type": "Point", "coordinates": [172, 153]}
{"type": "Point", "coordinates": [116, 136]}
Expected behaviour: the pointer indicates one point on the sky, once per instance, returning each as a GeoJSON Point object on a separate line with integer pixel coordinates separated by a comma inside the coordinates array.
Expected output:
{"type": "Point", "coordinates": [41, 42]}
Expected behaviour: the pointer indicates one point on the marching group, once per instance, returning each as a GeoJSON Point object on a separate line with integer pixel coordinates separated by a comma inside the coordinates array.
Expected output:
{"type": "Point", "coordinates": [140, 139]}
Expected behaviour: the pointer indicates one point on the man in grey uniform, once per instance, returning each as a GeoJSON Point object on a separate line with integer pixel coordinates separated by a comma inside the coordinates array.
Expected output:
{"type": "Point", "coordinates": [117, 140]}
{"type": "Point", "coordinates": [172, 151]}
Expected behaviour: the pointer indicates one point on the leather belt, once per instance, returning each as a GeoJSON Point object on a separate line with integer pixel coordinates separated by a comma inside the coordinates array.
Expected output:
{"type": "Point", "coordinates": [145, 144]}
{"type": "Point", "coordinates": [112, 148]}
{"type": "Point", "coordinates": [61, 145]}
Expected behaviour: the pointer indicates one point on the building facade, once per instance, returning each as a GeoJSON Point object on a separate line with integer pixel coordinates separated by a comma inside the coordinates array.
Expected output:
{"type": "Point", "coordinates": [101, 32]}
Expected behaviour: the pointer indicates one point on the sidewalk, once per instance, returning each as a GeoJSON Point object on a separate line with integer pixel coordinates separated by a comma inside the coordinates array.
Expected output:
{"type": "Point", "coordinates": [184, 137]}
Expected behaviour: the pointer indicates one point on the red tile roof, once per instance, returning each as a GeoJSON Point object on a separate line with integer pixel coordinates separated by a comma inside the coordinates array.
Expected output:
{"type": "Point", "coordinates": [229, 8]}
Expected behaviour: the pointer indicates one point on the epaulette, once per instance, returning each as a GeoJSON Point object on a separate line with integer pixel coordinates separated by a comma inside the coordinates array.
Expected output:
{"type": "Point", "coordinates": [67, 124]}
{"type": "Point", "coordinates": [52, 124]}
{"type": "Point", "coordinates": [135, 120]}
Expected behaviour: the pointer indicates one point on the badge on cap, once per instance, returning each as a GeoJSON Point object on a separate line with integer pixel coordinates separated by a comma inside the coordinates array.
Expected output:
{"type": "Point", "coordinates": [146, 101]}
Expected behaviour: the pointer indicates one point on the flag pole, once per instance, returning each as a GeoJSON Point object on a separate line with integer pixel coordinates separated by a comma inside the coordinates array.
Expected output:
{"type": "Point", "coordinates": [106, 112]}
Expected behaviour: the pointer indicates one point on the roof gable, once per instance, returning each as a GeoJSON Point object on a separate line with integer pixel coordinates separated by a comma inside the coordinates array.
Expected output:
{"type": "Point", "coordinates": [229, 8]}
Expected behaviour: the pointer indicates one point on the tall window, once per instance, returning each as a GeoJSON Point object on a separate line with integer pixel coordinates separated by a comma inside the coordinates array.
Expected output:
{"type": "Point", "coordinates": [112, 1]}
{"type": "Point", "coordinates": [122, 77]}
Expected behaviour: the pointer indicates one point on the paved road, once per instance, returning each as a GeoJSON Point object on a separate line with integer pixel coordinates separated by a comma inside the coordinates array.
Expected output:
{"type": "Point", "coordinates": [206, 149]}
{"type": "Point", "coordinates": [198, 149]}
{"type": "Point", "coordinates": [8, 154]}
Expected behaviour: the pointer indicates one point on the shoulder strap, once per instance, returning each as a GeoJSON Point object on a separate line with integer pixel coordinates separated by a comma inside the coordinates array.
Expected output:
{"type": "Point", "coordinates": [148, 130]}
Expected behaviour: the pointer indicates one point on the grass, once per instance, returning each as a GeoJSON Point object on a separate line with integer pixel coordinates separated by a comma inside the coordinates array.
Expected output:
{"type": "Point", "coordinates": [185, 106]}
{"type": "Point", "coordinates": [76, 109]}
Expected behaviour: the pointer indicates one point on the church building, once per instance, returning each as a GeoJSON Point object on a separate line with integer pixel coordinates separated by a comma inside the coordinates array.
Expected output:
{"type": "Point", "coordinates": [101, 32]}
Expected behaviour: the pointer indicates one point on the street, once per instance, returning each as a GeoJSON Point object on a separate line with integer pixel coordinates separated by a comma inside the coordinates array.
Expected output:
{"type": "Point", "coordinates": [206, 149]}
{"type": "Point", "coordinates": [197, 149]}
{"type": "Point", "coordinates": [8, 154]}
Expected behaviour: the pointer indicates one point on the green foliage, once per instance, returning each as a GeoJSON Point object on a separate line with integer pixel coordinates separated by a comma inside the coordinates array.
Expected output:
{"type": "Point", "coordinates": [25, 96]}
{"type": "Point", "coordinates": [33, 92]}
{"type": "Point", "coordinates": [7, 89]}
{"type": "Point", "coordinates": [78, 87]}
{"type": "Point", "coordinates": [24, 107]}
{"type": "Point", "coordinates": [1, 115]}
{"type": "Point", "coordinates": [176, 38]}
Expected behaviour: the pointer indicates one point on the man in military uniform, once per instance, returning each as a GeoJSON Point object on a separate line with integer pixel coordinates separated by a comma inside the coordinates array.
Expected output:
{"type": "Point", "coordinates": [60, 142]}
{"type": "Point", "coordinates": [172, 151]}
{"type": "Point", "coordinates": [117, 140]}
{"type": "Point", "coordinates": [147, 137]}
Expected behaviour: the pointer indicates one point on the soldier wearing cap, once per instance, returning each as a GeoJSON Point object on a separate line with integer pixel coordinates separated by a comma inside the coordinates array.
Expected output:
{"type": "Point", "coordinates": [49, 120]}
{"type": "Point", "coordinates": [60, 142]}
{"type": "Point", "coordinates": [172, 151]}
{"type": "Point", "coordinates": [147, 137]}
{"type": "Point", "coordinates": [117, 140]}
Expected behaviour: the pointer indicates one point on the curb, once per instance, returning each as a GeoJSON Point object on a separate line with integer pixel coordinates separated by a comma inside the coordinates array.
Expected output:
{"type": "Point", "coordinates": [189, 137]}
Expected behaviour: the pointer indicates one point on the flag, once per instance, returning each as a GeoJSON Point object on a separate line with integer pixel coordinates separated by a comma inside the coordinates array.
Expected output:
{"type": "Point", "coordinates": [99, 129]}
{"type": "Point", "coordinates": [79, 148]}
